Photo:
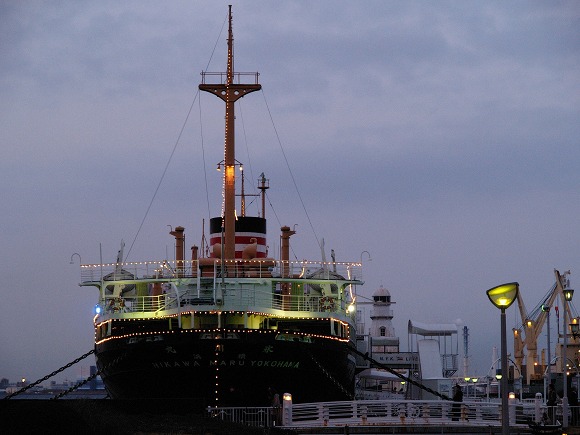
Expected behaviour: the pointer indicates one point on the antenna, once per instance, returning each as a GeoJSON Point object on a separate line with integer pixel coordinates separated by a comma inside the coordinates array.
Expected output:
{"type": "Point", "coordinates": [263, 186]}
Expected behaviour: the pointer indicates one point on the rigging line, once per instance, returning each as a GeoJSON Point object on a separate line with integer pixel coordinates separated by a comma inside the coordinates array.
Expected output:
{"type": "Point", "coordinates": [174, 147]}
{"type": "Point", "coordinates": [203, 158]}
{"type": "Point", "coordinates": [200, 117]}
{"type": "Point", "coordinates": [247, 148]}
{"type": "Point", "coordinates": [163, 174]}
{"type": "Point", "coordinates": [536, 311]}
{"type": "Point", "coordinates": [273, 209]}
{"type": "Point", "coordinates": [252, 180]}
{"type": "Point", "coordinates": [289, 169]}
{"type": "Point", "coordinates": [216, 41]}
{"type": "Point", "coordinates": [279, 223]}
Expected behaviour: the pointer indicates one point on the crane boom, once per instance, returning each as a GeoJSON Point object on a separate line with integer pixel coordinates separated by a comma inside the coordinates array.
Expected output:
{"type": "Point", "coordinates": [532, 328]}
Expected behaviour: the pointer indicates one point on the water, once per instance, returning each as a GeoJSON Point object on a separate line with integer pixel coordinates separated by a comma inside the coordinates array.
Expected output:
{"type": "Point", "coordinates": [88, 394]}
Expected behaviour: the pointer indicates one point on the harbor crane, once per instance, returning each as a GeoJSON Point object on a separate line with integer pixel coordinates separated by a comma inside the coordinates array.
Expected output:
{"type": "Point", "coordinates": [526, 336]}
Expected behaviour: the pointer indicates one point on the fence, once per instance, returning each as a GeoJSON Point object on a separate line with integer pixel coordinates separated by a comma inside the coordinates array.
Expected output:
{"type": "Point", "coordinates": [435, 413]}
{"type": "Point", "coordinates": [212, 268]}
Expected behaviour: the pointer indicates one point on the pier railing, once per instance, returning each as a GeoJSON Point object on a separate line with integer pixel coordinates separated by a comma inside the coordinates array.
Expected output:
{"type": "Point", "coordinates": [436, 413]}
{"type": "Point", "coordinates": [250, 416]}
{"type": "Point", "coordinates": [394, 412]}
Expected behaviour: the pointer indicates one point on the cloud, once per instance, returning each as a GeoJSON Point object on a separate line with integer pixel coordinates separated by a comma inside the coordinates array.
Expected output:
{"type": "Point", "coordinates": [441, 137]}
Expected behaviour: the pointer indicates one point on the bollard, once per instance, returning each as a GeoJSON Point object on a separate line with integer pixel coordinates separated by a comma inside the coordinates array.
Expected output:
{"type": "Point", "coordinates": [286, 409]}
{"type": "Point", "coordinates": [363, 415]}
{"type": "Point", "coordinates": [538, 408]}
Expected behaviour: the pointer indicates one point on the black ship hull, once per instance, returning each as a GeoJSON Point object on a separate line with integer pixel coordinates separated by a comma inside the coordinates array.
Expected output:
{"type": "Point", "coordinates": [240, 368]}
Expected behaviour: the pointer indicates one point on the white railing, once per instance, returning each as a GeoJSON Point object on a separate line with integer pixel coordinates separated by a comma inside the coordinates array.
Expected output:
{"type": "Point", "coordinates": [224, 75]}
{"type": "Point", "coordinates": [257, 268]}
{"type": "Point", "coordinates": [137, 304]}
{"type": "Point", "coordinates": [407, 412]}
{"type": "Point", "coordinates": [374, 413]}
{"type": "Point", "coordinates": [254, 416]}
{"type": "Point", "coordinates": [127, 292]}
{"type": "Point", "coordinates": [247, 297]}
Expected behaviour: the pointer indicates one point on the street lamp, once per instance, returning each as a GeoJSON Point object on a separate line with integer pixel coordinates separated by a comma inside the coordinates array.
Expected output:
{"type": "Point", "coordinates": [502, 297]}
{"type": "Point", "coordinates": [546, 309]}
{"type": "Point", "coordinates": [72, 256]}
{"type": "Point", "coordinates": [368, 254]}
{"type": "Point", "coordinates": [568, 293]}
{"type": "Point", "coordinates": [575, 328]}
{"type": "Point", "coordinates": [474, 380]}
{"type": "Point", "coordinates": [361, 259]}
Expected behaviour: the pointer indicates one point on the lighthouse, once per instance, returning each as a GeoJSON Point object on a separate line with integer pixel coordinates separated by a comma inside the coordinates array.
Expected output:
{"type": "Point", "coordinates": [382, 332]}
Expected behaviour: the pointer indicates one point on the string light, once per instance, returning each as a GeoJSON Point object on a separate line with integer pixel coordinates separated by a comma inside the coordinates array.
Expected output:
{"type": "Point", "coordinates": [219, 331]}
{"type": "Point", "coordinates": [216, 374]}
{"type": "Point", "coordinates": [106, 319]}
{"type": "Point", "coordinates": [231, 312]}
{"type": "Point", "coordinates": [164, 263]}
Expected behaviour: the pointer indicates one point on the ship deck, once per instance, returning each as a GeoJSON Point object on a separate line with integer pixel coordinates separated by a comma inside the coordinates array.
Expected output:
{"type": "Point", "coordinates": [155, 288]}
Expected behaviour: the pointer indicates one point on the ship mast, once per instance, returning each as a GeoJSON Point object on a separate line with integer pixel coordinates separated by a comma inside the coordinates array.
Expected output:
{"type": "Point", "coordinates": [229, 92]}
{"type": "Point", "coordinates": [264, 185]}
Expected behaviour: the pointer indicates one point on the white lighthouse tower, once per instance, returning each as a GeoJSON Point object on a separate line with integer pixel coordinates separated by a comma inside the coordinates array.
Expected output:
{"type": "Point", "coordinates": [382, 332]}
{"type": "Point", "coordinates": [382, 314]}
{"type": "Point", "coordinates": [378, 383]}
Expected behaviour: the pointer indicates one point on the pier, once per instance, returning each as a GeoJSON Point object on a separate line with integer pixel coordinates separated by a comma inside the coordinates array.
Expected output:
{"type": "Point", "coordinates": [92, 416]}
{"type": "Point", "coordinates": [387, 416]}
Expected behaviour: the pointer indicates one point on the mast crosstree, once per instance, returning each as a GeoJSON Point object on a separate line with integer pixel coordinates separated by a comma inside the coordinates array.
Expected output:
{"type": "Point", "coordinates": [229, 92]}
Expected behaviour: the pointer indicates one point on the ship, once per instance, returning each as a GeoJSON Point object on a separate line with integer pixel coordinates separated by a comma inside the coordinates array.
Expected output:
{"type": "Point", "coordinates": [228, 325]}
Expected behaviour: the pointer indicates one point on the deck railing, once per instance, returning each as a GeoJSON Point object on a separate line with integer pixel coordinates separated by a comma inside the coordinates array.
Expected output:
{"type": "Point", "coordinates": [301, 290]}
{"type": "Point", "coordinates": [212, 268]}
{"type": "Point", "coordinates": [245, 298]}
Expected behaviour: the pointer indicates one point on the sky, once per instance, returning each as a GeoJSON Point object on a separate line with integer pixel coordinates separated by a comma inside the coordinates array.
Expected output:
{"type": "Point", "coordinates": [442, 138]}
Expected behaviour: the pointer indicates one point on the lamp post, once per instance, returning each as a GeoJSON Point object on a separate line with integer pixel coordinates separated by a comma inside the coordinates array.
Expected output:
{"type": "Point", "coordinates": [546, 309]}
{"type": "Point", "coordinates": [72, 256]}
{"type": "Point", "coordinates": [474, 380]}
{"type": "Point", "coordinates": [502, 297]}
{"type": "Point", "coordinates": [368, 254]}
{"type": "Point", "coordinates": [568, 293]}
{"type": "Point", "coordinates": [575, 328]}
{"type": "Point", "coordinates": [361, 259]}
